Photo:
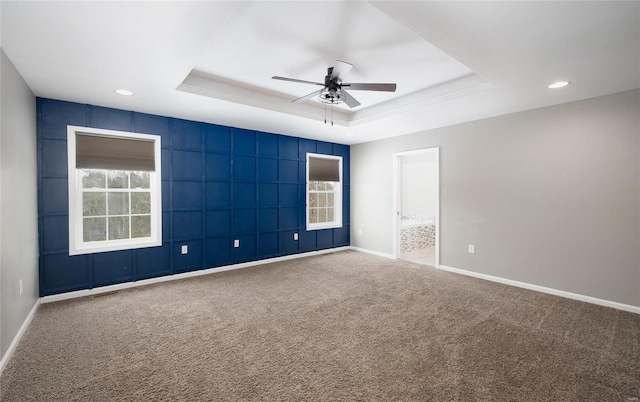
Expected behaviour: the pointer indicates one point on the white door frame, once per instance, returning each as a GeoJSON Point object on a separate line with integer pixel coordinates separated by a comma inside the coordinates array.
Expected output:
{"type": "Point", "coordinates": [397, 201]}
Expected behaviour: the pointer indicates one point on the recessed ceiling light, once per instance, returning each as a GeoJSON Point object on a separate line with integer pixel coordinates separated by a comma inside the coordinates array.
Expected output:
{"type": "Point", "coordinates": [559, 84]}
{"type": "Point", "coordinates": [123, 92]}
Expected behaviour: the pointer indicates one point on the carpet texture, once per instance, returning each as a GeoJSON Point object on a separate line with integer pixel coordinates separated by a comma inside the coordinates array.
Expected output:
{"type": "Point", "coordinates": [337, 327]}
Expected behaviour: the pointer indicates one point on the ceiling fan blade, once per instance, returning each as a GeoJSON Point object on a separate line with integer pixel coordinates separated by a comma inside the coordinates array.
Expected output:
{"type": "Point", "coordinates": [340, 70]}
{"type": "Point", "coordinates": [349, 100]}
{"type": "Point", "coordinates": [275, 77]}
{"type": "Point", "coordinates": [309, 96]}
{"type": "Point", "coordinates": [371, 87]}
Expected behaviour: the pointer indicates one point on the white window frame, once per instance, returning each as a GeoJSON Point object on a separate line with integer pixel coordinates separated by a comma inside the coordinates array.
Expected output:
{"type": "Point", "coordinates": [337, 197]}
{"type": "Point", "coordinates": [77, 245]}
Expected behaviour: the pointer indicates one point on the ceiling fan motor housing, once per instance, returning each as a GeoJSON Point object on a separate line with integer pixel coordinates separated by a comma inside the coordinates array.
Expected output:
{"type": "Point", "coordinates": [331, 82]}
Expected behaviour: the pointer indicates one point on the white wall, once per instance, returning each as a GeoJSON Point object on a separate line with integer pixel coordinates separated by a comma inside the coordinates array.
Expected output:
{"type": "Point", "coordinates": [419, 184]}
{"type": "Point", "coordinates": [18, 201]}
{"type": "Point", "coordinates": [549, 197]}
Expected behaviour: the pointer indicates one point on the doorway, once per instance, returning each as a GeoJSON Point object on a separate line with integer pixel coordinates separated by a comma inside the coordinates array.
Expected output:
{"type": "Point", "coordinates": [417, 206]}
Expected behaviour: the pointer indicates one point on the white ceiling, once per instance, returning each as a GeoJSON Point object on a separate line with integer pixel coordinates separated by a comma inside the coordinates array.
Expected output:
{"type": "Point", "coordinates": [213, 61]}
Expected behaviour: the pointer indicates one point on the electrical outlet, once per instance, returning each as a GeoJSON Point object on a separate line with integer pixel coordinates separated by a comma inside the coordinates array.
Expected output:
{"type": "Point", "coordinates": [236, 243]}
{"type": "Point", "coordinates": [20, 286]}
{"type": "Point", "coordinates": [359, 232]}
{"type": "Point", "coordinates": [295, 236]}
{"type": "Point", "coordinates": [472, 249]}
{"type": "Point", "coordinates": [185, 249]}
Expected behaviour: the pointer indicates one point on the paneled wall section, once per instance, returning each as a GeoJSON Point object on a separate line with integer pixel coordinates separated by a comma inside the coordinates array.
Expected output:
{"type": "Point", "coordinates": [219, 184]}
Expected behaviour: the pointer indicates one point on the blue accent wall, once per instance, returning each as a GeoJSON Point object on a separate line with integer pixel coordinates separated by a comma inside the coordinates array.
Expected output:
{"type": "Point", "coordinates": [218, 184]}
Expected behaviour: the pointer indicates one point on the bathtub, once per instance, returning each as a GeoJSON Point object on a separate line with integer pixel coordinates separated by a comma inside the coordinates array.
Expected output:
{"type": "Point", "coordinates": [415, 222]}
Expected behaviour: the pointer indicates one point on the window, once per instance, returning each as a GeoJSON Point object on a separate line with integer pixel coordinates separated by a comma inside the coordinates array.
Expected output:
{"type": "Point", "coordinates": [114, 190]}
{"type": "Point", "coordinates": [324, 191]}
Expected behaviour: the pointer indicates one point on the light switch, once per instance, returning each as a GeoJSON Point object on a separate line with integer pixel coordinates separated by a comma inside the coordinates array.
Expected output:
{"type": "Point", "coordinates": [185, 249]}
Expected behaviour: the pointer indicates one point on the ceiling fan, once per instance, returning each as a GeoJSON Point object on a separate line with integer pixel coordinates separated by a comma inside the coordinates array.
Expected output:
{"type": "Point", "coordinates": [333, 90]}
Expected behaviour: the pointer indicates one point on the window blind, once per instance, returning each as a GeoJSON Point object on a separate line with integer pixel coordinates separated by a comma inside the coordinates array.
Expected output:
{"type": "Point", "coordinates": [321, 169]}
{"type": "Point", "coordinates": [111, 153]}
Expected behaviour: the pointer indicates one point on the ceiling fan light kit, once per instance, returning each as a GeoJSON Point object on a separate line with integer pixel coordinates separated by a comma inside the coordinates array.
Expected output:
{"type": "Point", "coordinates": [333, 90]}
{"type": "Point", "coordinates": [331, 97]}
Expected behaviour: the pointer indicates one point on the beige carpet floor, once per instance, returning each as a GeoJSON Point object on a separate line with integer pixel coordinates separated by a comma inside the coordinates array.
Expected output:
{"type": "Point", "coordinates": [345, 326]}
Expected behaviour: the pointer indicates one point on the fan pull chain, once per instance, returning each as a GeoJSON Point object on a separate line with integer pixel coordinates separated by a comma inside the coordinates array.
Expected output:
{"type": "Point", "coordinates": [325, 113]}
{"type": "Point", "coordinates": [332, 114]}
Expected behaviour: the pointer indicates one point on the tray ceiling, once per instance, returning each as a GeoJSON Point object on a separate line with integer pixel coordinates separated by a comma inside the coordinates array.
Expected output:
{"type": "Point", "coordinates": [213, 61]}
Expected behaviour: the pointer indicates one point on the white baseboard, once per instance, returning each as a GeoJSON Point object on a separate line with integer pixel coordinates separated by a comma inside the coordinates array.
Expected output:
{"type": "Point", "coordinates": [543, 289]}
{"type": "Point", "coordinates": [16, 339]}
{"type": "Point", "coordinates": [366, 250]}
{"type": "Point", "coordinates": [208, 271]}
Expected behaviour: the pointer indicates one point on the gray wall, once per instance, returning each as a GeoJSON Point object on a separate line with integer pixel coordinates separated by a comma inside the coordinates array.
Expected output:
{"type": "Point", "coordinates": [18, 201]}
{"type": "Point", "coordinates": [549, 197]}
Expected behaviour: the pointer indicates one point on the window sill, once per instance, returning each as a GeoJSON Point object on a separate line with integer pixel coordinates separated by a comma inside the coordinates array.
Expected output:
{"type": "Point", "coordinates": [128, 245]}
{"type": "Point", "coordinates": [323, 226]}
